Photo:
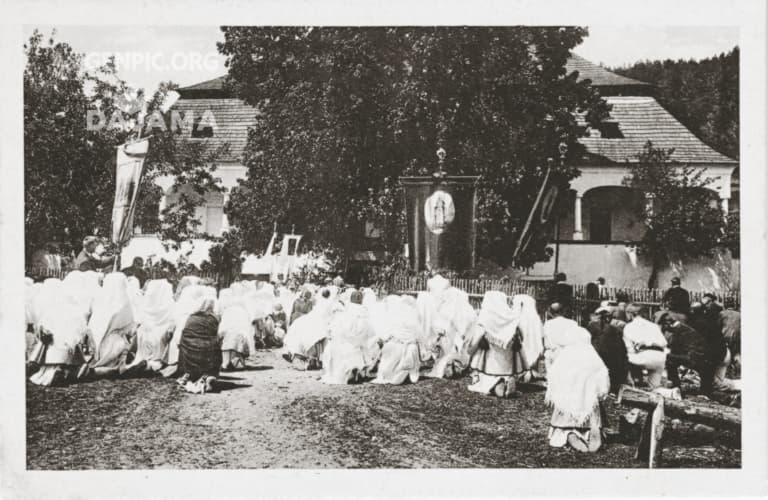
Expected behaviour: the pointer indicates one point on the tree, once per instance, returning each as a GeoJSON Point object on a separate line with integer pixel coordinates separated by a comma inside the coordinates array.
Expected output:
{"type": "Point", "coordinates": [703, 95]}
{"type": "Point", "coordinates": [681, 218]}
{"type": "Point", "coordinates": [343, 112]}
{"type": "Point", "coordinates": [69, 167]}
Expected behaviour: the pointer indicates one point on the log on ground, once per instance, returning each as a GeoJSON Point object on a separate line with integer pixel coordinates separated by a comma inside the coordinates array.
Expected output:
{"type": "Point", "coordinates": [714, 414]}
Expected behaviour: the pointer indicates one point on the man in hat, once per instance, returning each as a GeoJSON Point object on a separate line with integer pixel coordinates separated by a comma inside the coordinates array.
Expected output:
{"type": "Point", "coordinates": [87, 260]}
{"type": "Point", "coordinates": [137, 270]}
{"type": "Point", "coordinates": [562, 293]}
{"type": "Point", "coordinates": [608, 341]}
{"type": "Point", "coordinates": [677, 300]}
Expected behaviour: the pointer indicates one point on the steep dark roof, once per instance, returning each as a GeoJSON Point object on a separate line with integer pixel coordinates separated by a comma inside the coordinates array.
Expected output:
{"type": "Point", "coordinates": [233, 118]}
{"type": "Point", "coordinates": [208, 88]}
{"type": "Point", "coordinates": [601, 77]}
{"type": "Point", "coordinates": [642, 119]}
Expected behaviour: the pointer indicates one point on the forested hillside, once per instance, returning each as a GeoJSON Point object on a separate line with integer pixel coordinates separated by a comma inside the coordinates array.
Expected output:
{"type": "Point", "coordinates": [703, 95]}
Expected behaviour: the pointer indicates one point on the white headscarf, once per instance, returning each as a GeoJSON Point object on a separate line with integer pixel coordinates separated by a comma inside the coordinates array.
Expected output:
{"type": "Point", "coordinates": [65, 321]}
{"type": "Point", "coordinates": [30, 292]}
{"type": "Point", "coordinates": [50, 291]}
{"type": "Point", "coordinates": [157, 307]}
{"type": "Point", "coordinates": [577, 379]}
{"type": "Point", "coordinates": [530, 326]}
{"type": "Point", "coordinates": [498, 320]}
{"type": "Point", "coordinates": [112, 309]}
{"type": "Point", "coordinates": [134, 293]}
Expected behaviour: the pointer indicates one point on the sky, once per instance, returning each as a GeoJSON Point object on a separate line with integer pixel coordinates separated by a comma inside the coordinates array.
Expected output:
{"type": "Point", "coordinates": [148, 55]}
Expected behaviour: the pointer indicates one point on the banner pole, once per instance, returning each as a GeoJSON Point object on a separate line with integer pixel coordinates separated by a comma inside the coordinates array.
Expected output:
{"type": "Point", "coordinates": [533, 211]}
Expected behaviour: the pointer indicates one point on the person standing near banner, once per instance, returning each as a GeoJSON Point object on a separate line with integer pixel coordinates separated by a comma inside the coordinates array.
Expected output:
{"type": "Point", "coordinates": [87, 260]}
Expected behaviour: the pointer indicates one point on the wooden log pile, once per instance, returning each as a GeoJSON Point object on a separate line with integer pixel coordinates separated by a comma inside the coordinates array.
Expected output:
{"type": "Point", "coordinates": [711, 414]}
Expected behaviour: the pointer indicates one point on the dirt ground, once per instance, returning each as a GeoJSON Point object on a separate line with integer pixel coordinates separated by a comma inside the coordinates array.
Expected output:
{"type": "Point", "coordinates": [274, 416]}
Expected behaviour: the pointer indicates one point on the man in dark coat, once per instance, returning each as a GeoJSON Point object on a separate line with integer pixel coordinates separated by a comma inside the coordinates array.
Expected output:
{"type": "Point", "coordinates": [562, 293]}
{"type": "Point", "coordinates": [677, 299]}
{"type": "Point", "coordinates": [87, 260]}
{"type": "Point", "coordinates": [137, 270]}
{"type": "Point", "coordinates": [608, 341]}
{"type": "Point", "coordinates": [694, 346]}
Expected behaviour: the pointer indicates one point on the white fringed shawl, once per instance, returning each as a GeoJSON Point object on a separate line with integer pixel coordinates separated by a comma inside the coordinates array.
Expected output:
{"type": "Point", "coordinates": [578, 378]}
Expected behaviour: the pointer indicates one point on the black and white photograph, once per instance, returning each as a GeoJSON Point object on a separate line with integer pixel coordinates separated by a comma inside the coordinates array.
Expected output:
{"type": "Point", "coordinates": [410, 245]}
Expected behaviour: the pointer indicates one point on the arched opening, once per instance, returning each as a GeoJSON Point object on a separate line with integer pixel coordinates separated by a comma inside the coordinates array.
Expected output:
{"type": "Point", "coordinates": [610, 214]}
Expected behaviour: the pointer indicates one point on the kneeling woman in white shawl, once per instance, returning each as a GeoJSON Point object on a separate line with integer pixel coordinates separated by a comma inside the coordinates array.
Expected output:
{"type": "Point", "coordinates": [351, 351]}
{"type": "Point", "coordinates": [398, 330]}
{"type": "Point", "coordinates": [306, 336]}
{"type": "Point", "coordinates": [235, 331]}
{"type": "Point", "coordinates": [62, 330]}
{"type": "Point", "coordinates": [448, 322]}
{"type": "Point", "coordinates": [112, 327]}
{"type": "Point", "coordinates": [156, 324]}
{"type": "Point", "coordinates": [576, 383]}
{"type": "Point", "coordinates": [506, 345]}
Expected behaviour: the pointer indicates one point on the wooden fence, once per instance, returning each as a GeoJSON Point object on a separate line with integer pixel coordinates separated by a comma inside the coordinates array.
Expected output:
{"type": "Point", "coordinates": [583, 303]}
{"type": "Point", "coordinates": [219, 280]}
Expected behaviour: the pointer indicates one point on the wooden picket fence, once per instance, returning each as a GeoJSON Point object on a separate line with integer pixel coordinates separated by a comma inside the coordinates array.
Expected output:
{"type": "Point", "coordinates": [582, 306]}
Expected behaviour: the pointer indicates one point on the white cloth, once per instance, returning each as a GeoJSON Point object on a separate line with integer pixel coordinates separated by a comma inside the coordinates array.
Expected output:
{"type": "Point", "coordinates": [30, 292]}
{"type": "Point", "coordinates": [187, 303]}
{"type": "Point", "coordinates": [236, 328]}
{"type": "Point", "coordinates": [559, 332]}
{"type": "Point", "coordinates": [351, 345]}
{"type": "Point", "coordinates": [135, 294]}
{"type": "Point", "coordinates": [641, 333]}
{"type": "Point", "coordinates": [112, 310]}
{"type": "Point", "coordinates": [578, 378]}
{"type": "Point", "coordinates": [65, 322]}
{"type": "Point", "coordinates": [312, 327]}
{"type": "Point", "coordinates": [398, 327]}
{"type": "Point", "coordinates": [498, 324]}
{"type": "Point", "coordinates": [82, 287]}
{"type": "Point", "coordinates": [156, 312]}
{"type": "Point", "coordinates": [531, 328]}
{"type": "Point", "coordinates": [49, 291]}
{"type": "Point", "coordinates": [455, 321]}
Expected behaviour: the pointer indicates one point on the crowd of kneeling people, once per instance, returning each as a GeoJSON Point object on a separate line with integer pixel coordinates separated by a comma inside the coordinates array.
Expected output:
{"type": "Point", "coordinates": [91, 326]}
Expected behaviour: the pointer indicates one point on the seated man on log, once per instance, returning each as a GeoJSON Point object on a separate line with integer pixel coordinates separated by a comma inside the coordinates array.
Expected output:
{"type": "Point", "coordinates": [645, 345]}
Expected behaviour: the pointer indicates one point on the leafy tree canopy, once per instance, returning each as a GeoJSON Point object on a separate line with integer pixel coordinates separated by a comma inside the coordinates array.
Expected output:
{"type": "Point", "coordinates": [683, 218]}
{"type": "Point", "coordinates": [70, 169]}
{"type": "Point", "coordinates": [703, 95]}
{"type": "Point", "coordinates": [344, 111]}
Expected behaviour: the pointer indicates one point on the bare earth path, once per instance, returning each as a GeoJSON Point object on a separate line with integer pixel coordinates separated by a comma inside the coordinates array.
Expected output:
{"type": "Point", "coordinates": [273, 415]}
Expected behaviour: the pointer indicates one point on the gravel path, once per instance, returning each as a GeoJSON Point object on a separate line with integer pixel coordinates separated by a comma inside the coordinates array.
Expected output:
{"type": "Point", "coordinates": [273, 415]}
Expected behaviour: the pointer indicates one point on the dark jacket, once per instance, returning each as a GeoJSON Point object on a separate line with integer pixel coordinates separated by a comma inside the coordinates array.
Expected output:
{"type": "Point", "coordinates": [608, 341]}
{"type": "Point", "coordinates": [686, 342]}
{"type": "Point", "coordinates": [561, 292]}
{"type": "Point", "coordinates": [139, 273]}
{"type": "Point", "coordinates": [90, 262]}
{"type": "Point", "coordinates": [677, 299]}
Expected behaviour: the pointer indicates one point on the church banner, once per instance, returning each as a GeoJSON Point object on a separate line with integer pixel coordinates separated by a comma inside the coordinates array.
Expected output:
{"type": "Point", "coordinates": [130, 166]}
{"type": "Point", "coordinates": [441, 222]}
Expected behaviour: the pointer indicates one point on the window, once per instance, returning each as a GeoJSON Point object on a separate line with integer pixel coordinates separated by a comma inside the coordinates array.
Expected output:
{"type": "Point", "coordinates": [600, 225]}
{"type": "Point", "coordinates": [202, 128]}
{"type": "Point", "coordinates": [212, 222]}
{"type": "Point", "coordinates": [610, 130]}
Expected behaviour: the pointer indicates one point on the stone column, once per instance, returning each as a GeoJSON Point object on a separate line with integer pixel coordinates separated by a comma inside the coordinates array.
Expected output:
{"type": "Point", "coordinates": [577, 232]}
{"type": "Point", "coordinates": [724, 202]}
{"type": "Point", "coordinates": [224, 218]}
